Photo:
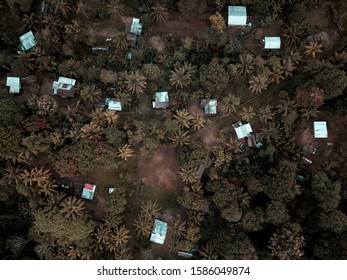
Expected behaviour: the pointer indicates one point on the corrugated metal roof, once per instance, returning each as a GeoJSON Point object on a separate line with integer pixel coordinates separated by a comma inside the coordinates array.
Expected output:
{"type": "Point", "coordinates": [88, 191]}
{"type": "Point", "coordinates": [113, 104]}
{"type": "Point", "coordinates": [28, 40]}
{"type": "Point", "coordinates": [237, 15]}
{"type": "Point", "coordinates": [158, 234]}
{"type": "Point", "coordinates": [211, 107]}
{"type": "Point", "coordinates": [273, 43]}
{"type": "Point", "coordinates": [243, 130]}
{"type": "Point", "coordinates": [67, 81]}
{"type": "Point", "coordinates": [14, 84]}
{"type": "Point", "coordinates": [136, 27]}
{"type": "Point", "coordinates": [320, 129]}
{"type": "Point", "coordinates": [161, 100]}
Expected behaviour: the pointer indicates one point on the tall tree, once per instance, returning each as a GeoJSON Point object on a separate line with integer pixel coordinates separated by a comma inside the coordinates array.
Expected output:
{"type": "Point", "coordinates": [159, 13]}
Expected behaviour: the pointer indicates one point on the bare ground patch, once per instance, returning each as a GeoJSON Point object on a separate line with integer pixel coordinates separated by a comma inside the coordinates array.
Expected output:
{"type": "Point", "coordinates": [161, 171]}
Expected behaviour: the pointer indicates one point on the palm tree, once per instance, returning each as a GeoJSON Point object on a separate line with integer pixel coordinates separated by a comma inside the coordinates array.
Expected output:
{"type": "Point", "coordinates": [183, 118]}
{"type": "Point", "coordinates": [258, 83]}
{"type": "Point", "coordinates": [53, 23]}
{"type": "Point", "coordinates": [159, 13]}
{"type": "Point", "coordinates": [72, 207]}
{"type": "Point", "coordinates": [313, 49]}
{"type": "Point", "coordinates": [119, 237]}
{"type": "Point", "coordinates": [120, 41]}
{"type": "Point", "coordinates": [150, 209]}
{"type": "Point", "coordinates": [272, 132]}
{"type": "Point", "coordinates": [135, 82]}
{"type": "Point", "coordinates": [295, 56]}
{"type": "Point", "coordinates": [309, 112]}
{"type": "Point", "coordinates": [125, 152]}
{"type": "Point", "coordinates": [122, 254]}
{"type": "Point", "coordinates": [115, 8]}
{"type": "Point", "coordinates": [143, 225]}
{"type": "Point", "coordinates": [247, 113]}
{"type": "Point", "coordinates": [188, 175]}
{"type": "Point", "coordinates": [292, 34]}
{"type": "Point", "coordinates": [276, 74]}
{"type": "Point", "coordinates": [178, 227]}
{"type": "Point", "coordinates": [207, 252]}
{"type": "Point", "coordinates": [60, 7]}
{"type": "Point", "coordinates": [48, 189]}
{"type": "Point", "coordinates": [82, 9]}
{"type": "Point", "coordinates": [111, 117]}
{"type": "Point", "coordinates": [182, 75]}
{"type": "Point", "coordinates": [29, 21]}
{"type": "Point", "coordinates": [73, 253]}
{"type": "Point", "coordinates": [265, 114]}
{"type": "Point", "coordinates": [36, 175]}
{"type": "Point", "coordinates": [90, 93]}
{"type": "Point", "coordinates": [286, 106]}
{"type": "Point", "coordinates": [180, 138]}
{"type": "Point", "coordinates": [198, 122]}
{"type": "Point", "coordinates": [112, 219]}
{"type": "Point", "coordinates": [13, 174]}
{"type": "Point", "coordinates": [90, 131]}
{"type": "Point", "coordinates": [123, 97]}
{"type": "Point", "coordinates": [246, 65]}
{"type": "Point", "coordinates": [288, 67]}
{"type": "Point", "coordinates": [103, 234]}
{"type": "Point", "coordinates": [230, 103]}
{"type": "Point", "coordinates": [97, 116]}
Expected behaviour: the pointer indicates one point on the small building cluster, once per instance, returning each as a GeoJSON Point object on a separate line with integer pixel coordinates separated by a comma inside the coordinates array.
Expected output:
{"type": "Point", "coordinates": [64, 87]}
{"type": "Point", "coordinates": [134, 32]}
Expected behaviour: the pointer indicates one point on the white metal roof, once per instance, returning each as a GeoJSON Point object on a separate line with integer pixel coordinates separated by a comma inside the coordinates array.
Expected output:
{"type": "Point", "coordinates": [14, 84]}
{"type": "Point", "coordinates": [28, 40]}
{"type": "Point", "coordinates": [162, 96]}
{"type": "Point", "coordinates": [320, 129]}
{"type": "Point", "coordinates": [211, 107]}
{"type": "Point", "coordinates": [113, 104]}
{"type": "Point", "coordinates": [273, 43]}
{"type": "Point", "coordinates": [159, 232]}
{"type": "Point", "coordinates": [243, 130]}
{"type": "Point", "coordinates": [136, 27]}
{"type": "Point", "coordinates": [237, 15]}
{"type": "Point", "coordinates": [67, 81]}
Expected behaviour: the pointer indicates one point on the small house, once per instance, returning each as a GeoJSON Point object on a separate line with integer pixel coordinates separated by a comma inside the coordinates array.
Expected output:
{"type": "Point", "coordinates": [88, 191]}
{"type": "Point", "coordinates": [237, 15]}
{"type": "Point", "coordinates": [64, 87]}
{"type": "Point", "coordinates": [320, 129]}
{"type": "Point", "coordinates": [253, 140]}
{"type": "Point", "coordinates": [161, 100]}
{"type": "Point", "coordinates": [242, 130]}
{"type": "Point", "coordinates": [272, 43]}
{"type": "Point", "coordinates": [136, 27]}
{"type": "Point", "coordinates": [14, 84]}
{"type": "Point", "coordinates": [113, 104]}
{"type": "Point", "coordinates": [159, 231]}
{"type": "Point", "coordinates": [27, 41]}
{"type": "Point", "coordinates": [209, 106]}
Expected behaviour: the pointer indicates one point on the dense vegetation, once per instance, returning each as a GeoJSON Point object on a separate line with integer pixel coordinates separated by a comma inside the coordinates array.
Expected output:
{"type": "Point", "coordinates": [248, 204]}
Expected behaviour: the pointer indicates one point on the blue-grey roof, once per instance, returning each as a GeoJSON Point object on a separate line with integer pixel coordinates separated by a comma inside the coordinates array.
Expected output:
{"type": "Point", "coordinates": [28, 41]}
{"type": "Point", "coordinates": [136, 27]}
{"type": "Point", "coordinates": [237, 15]}
{"type": "Point", "coordinates": [211, 107]}
{"type": "Point", "coordinates": [273, 43]}
{"type": "Point", "coordinates": [14, 84]}
{"type": "Point", "coordinates": [159, 232]}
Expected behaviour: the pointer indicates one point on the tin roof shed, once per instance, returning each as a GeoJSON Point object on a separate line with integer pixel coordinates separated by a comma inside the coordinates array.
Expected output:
{"type": "Point", "coordinates": [159, 232]}
{"type": "Point", "coordinates": [64, 87]}
{"type": "Point", "coordinates": [320, 129]}
{"type": "Point", "coordinates": [161, 100]}
{"type": "Point", "coordinates": [14, 84]}
{"type": "Point", "coordinates": [113, 104]}
{"type": "Point", "coordinates": [237, 15]}
{"type": "Point", "coordinates": [272, 43]}
{"type": "Point", "coordinates": [136, 27]}
{"type": "Point", "coordinates": [242, 130]}
{"type": "Point", "coordinates": [27, 41]}
{"type": "Point", "coordinates": [210, 106]}
{"type": "Point", "coordinates": [88, 191]}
